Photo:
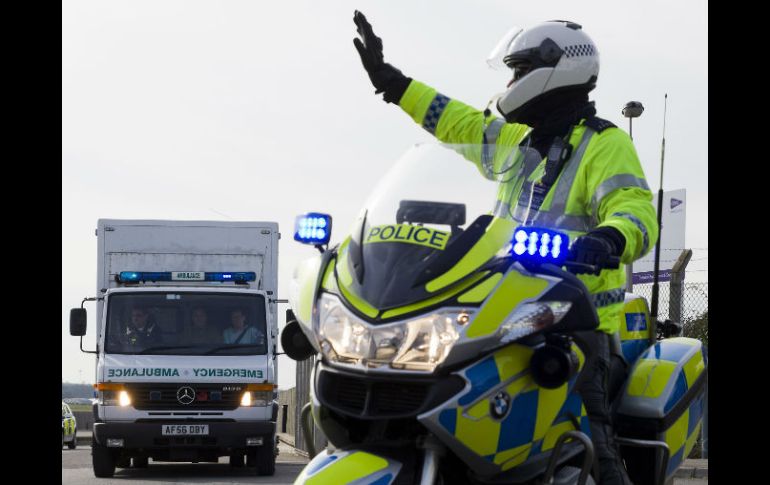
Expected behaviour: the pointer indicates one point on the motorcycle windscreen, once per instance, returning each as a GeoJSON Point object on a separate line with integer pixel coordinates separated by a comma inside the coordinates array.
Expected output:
{"type": "Point", "coordinates": [425, 215]}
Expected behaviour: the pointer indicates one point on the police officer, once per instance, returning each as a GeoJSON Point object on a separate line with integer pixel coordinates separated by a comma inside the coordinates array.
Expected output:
{"type": "Point", "coordinates": [142, 332]}
{"type": "Point", "coordinates": [584, 178]}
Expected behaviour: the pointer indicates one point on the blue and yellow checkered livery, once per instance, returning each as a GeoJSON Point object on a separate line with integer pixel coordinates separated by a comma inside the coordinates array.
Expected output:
{"type": "Point", "coordinates": [352, 467]}
{"type": "Point", "coordinates": [635, 328]}
{"type": "Point", "coordinates": [534, 418]}
{"type": "Point", "coordinates": [664, 397]}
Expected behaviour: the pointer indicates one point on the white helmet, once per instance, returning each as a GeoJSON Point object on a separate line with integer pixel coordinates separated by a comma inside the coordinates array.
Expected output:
{"type": "Point", "coordinates": [550, 57]}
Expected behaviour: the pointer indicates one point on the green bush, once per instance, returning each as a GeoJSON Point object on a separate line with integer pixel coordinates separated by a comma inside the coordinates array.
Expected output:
{"type": "Point", "coordinates": [698, 328]}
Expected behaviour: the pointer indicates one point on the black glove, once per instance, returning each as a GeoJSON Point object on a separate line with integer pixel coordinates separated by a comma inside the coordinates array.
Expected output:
{"type": "Point", "coordinates": [601, 247]}
{"type": "Point", "coordinates": [385, 78]}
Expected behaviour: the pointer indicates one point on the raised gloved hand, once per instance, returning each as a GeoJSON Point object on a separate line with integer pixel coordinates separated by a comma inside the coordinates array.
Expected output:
{"type": "Point", "coordinates": [601, 247]}
{"type": "Point", "coordinates": [385, 78]}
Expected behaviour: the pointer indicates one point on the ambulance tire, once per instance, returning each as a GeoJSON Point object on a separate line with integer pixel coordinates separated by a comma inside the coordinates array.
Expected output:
{"type": "Point", "coordinates": [103, 461]}
{"type": "Point", "coordinates": [265, 460]}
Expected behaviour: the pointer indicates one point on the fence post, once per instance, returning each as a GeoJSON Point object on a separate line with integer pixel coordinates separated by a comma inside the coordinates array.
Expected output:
{"type": "Point", "coordinates": [304, 369]}
{"type": "Point", "coordinates": [676, 286]}
{"type": "Point", "coordinates": [630, 278]}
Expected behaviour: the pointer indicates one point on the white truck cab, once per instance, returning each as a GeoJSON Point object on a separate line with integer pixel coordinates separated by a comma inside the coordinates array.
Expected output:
{"type": "Point", "coordinates": [186, 321]}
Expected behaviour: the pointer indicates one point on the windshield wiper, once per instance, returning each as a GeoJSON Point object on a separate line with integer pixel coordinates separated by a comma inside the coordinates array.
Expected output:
{"type": "Point", "coordinates": [165, 347]}
{"type": "Point", "coordinates": [231, 346]}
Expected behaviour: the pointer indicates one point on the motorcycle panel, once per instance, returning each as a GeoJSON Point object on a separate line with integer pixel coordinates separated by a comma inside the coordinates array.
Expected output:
{"type": "Point", "coordinates": [503, 419]}
{"type": "Point", "coordinates": [635, 327]}
{"type": "Point", "coordinates": [663, 400]}
{"type": "Point", "coordinates": [351, 467]}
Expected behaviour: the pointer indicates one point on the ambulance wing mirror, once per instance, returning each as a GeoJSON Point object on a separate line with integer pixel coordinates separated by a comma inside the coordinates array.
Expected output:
{"type": "Point", "coordinates": [78, 322]}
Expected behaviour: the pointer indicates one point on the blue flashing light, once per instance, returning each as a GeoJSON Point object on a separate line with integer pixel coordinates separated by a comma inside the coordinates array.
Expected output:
{"type": "Point", "coordinates": [129, 276]}
{"type": "Point", "coordinates": [313, 228]}
{"type": "Point", "coordinates": [543, 250]}
{"type": "Point", "coordinates": [539, 244]}
{"type": "Point", "coordinates": [556, 246]}
{"type": "Point", "coordinates": [533, 243]}
{"type": "Point", "coordinates": [137, 276]}
{"type": "Point", "coordinates": [239, 277]}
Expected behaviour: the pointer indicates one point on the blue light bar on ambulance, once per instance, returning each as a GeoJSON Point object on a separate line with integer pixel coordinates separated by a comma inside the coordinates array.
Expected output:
{"type": "Point", "coordinates": [542, 245]}
{"type": "Point", "coordinates": [313, 228]}
{"type": "Point", "coordinates": [137, 276]}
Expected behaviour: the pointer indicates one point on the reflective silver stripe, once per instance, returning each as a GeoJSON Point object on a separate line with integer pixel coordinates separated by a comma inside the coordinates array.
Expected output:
{"type": "Point", "coordinates": [566, 221]}
{"type": "Point", "coordinates": [613, 183]}
{"type": "Point", "coordinates": [492, 131]}
{"type": "Point", "coordinates": [526, 192]}
{"type": "Point", "coordinates": [529, 164]}
{"type": "Point", "coordinates": [520, 212]}
{"type": "Point", "coordinates": [610, 297]}
{"type": "Point", "coordinates": [503, 210]}
{"type": "Point", "coordinates": [557, 221]}
{"type": "Point", "coordinates": [565, 182]}
{"type": "Point", "coordinates": [533, 159]}
{"type": "Point", "coordinates": [488, 150]}
{"type": "Point", "coordinates": [637, 223]}
{"type": "Point", "coordinates": [433, 114]}
{"type": "Point", "coordinates": [555, 217]}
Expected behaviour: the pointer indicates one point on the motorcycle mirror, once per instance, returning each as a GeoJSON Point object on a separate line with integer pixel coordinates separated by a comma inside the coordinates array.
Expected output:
{"type": "Point", "coordinates": [294, 342]}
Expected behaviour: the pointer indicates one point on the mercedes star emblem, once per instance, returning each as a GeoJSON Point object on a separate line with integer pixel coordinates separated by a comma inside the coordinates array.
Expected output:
{"type": "Point", "coordinates": [185, 395]}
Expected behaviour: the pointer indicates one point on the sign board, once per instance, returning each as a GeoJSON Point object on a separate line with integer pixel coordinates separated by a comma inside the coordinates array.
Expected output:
{"type": "Point", "coordinates": [672, 238]}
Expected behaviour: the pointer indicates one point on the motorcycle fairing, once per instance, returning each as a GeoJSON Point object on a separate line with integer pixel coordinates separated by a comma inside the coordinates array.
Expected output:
{"type": "Point", "coordinates": [491, 443]}
{"type": "Point", "coordinates": [352, 467]}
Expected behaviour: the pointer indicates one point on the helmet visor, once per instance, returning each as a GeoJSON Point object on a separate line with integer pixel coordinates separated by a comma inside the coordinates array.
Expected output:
{"type": "Point", "coordinates": [495, 58]}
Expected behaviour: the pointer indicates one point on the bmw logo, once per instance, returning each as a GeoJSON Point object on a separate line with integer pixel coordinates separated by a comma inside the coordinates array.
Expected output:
{"type": "Point", "coordinates": [500, 405]}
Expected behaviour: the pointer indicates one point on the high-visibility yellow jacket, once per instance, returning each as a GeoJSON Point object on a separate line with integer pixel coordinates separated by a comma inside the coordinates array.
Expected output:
{"type": "Point", "coordinates": [601, 184]}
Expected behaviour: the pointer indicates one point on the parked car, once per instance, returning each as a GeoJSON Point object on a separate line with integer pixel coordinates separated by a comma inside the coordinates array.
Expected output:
{"type": "Point", "coordinates": [69, 427]}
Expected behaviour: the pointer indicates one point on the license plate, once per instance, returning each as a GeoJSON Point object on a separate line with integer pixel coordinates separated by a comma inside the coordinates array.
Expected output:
{"type": "Point", "coordinates": [185, 429]}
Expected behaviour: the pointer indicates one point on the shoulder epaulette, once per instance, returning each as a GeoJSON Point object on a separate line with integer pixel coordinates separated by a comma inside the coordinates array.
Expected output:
{"type": "Point", "coordinates": [598, 124]}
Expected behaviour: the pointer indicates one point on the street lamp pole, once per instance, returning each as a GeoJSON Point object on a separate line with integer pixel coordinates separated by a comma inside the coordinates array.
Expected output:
{"type": "Point", "coordinates": [632, 109]}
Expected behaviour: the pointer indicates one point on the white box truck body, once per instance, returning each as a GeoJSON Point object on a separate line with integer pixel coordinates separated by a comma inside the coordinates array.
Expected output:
{"type": "Point", "coordinates": [186, 340]}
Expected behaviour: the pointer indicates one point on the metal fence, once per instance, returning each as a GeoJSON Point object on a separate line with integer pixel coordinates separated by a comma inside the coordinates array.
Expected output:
{"type": "Point", "coordinates": [291, 402]}
{"type": "Point", "coordinates": [693, 300]}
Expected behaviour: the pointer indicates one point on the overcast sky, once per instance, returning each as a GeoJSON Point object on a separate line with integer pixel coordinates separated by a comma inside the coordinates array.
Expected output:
{"type": "Point", "coordinates": [251, 110]}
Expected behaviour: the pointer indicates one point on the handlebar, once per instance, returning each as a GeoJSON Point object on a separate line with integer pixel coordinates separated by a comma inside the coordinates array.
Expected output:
{"type": "Point", "coordinates": [613, 262]}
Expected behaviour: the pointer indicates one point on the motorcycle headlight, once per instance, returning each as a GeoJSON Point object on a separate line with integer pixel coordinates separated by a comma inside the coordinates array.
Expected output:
{"type": "Point", "coordinates": [419, 344]}
{"type": "Point", "coordinates": [530, 318]}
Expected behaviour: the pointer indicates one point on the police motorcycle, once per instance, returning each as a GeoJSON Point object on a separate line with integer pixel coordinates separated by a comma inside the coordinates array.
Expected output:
{"type": "Point", "coordinates": [448, 348]}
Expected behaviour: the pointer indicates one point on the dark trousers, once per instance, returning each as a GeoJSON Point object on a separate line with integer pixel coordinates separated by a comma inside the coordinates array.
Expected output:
{"type": "Point", "coordinates": [593, 391]}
